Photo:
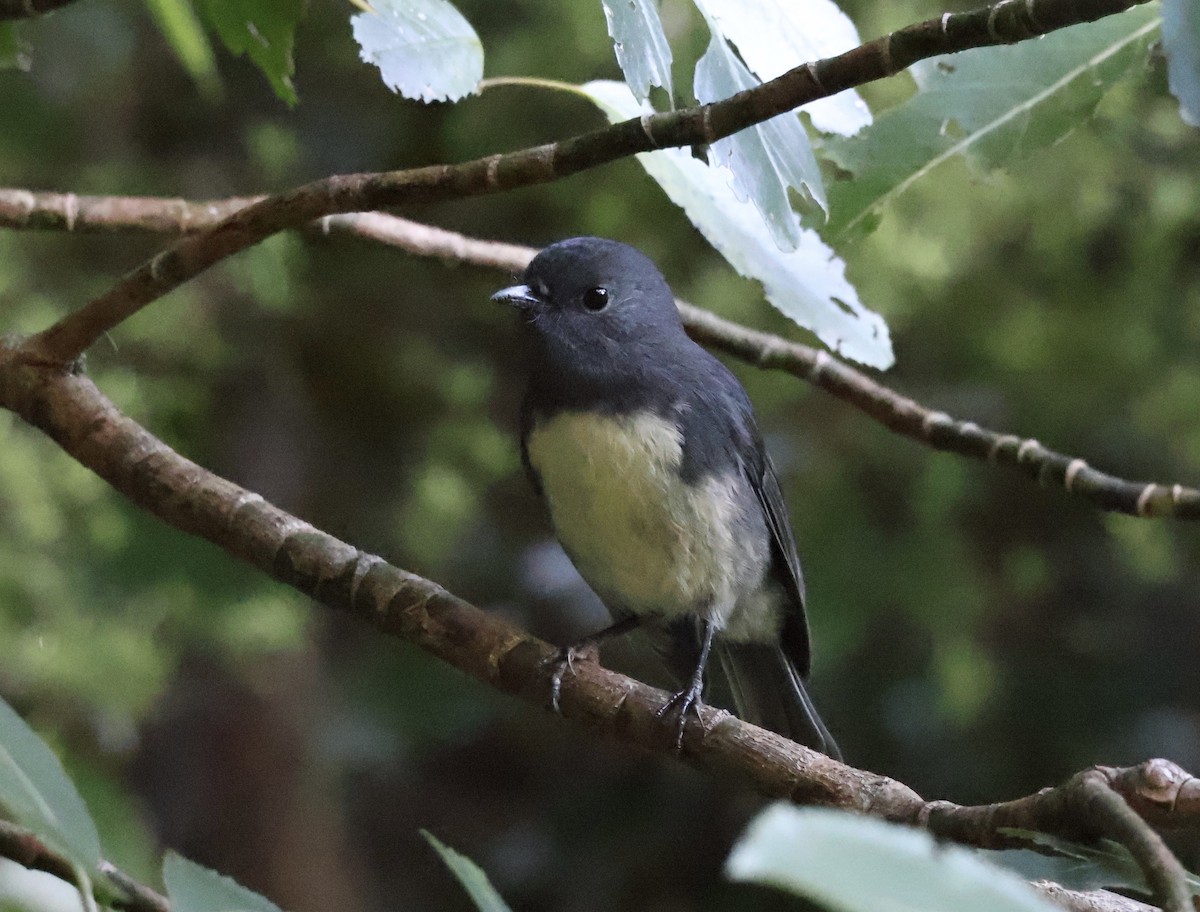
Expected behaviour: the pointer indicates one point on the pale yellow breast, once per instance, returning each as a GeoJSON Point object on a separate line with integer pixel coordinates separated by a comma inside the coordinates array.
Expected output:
{"type": "Point", "coordinates": [643, 538]}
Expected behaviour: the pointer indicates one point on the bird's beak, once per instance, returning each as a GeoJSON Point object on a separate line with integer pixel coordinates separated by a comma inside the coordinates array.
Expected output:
{"type": "Point", "coordinates": [521, 296]}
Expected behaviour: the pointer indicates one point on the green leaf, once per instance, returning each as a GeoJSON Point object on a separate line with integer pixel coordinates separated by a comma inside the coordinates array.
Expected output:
{"type": "Point", "coordinates": [12, 51]}
{"type": "Point", "coordinates": [640, 43]}
{"type": "Point", "coordinates": [807, 284]}
{"type": "Point", "coordinates": [1181, 43]}
{"type": "Point", "coordinates": [36, 793]}
{"type": "Point", "coordinates": [181, 27]}
{"type": "Point", "coordinates": [765, 159]}
{"type": "Point", "coordinates": [425, 49]}
{"type": "Point", "coordinates": [264, 30]}
{"type": "Point", "coordinates": [470, 875]}
{"type": "Point", "coordinates": [995, 105]}
{"type": "Point", "coordinates": [852, 863]}
{"type": "Point", "coordinates": [195, 888]}
{"type": "Point", "coordinates": [774, 37]}
{"type": "Point", "coordinates": [1105, 865]}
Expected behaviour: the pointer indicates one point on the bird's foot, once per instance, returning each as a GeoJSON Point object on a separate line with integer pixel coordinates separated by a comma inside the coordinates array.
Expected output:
{"type": "Point", "coordinates": [562, 662]}
{"type": "Point", "coordinates": [687, 702]}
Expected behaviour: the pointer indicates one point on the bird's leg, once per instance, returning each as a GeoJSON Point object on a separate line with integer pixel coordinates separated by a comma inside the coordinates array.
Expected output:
{"type": "Point", "coordinates": [564, 660]}
{"type": "Point", "coordinates": [689, 699]}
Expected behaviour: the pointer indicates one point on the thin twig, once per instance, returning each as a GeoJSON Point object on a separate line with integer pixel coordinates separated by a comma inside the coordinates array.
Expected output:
{"type": "Point", "coordinates": [66, 211]}
{"type": "Point", "coordinates": [1003, 23]}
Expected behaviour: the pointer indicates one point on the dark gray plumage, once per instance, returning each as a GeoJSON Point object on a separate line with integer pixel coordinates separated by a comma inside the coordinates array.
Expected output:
{"type": "Point", "coordinates": [646, 450]}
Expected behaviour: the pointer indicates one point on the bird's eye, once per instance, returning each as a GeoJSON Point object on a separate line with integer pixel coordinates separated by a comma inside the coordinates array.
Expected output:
{"type": "Point", "coordinates": [595, 299]}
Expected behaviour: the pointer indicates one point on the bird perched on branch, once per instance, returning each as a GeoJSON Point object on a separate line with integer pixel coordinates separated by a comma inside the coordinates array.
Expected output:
{"type": "Point", "coordinates": [646, 451]}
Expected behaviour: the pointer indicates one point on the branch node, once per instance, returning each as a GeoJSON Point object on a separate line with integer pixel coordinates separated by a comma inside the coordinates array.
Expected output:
{"type": "Point", "coordinates": [706, 127]}
{"type": "Point", "coordinates": [493, 172]}
{"type": "Point", "coordinates": [646, 120]}
{"type": "Point", "coordinates": [812, 72]}
{"type": "Point", "coordinates": [156, 265]}
{"type": "Point", "coordinates": [70, 210]}
{"type": "Point", "coordinates": [934, 419]}
{"type": "Point", "coordinates": [1034, 24]}
{"type": "Point", "coordinates": [364, 565]}
{"type": "Point", "coordinates": [927, 809]}
{"type": "Point", "coordinates": [326, 224]}
{"type": "Point", "coordinates": [999, 443]}
{"type": "Point", "coordinates": [27, 201]}
{"type": "Point", "coordinates": [889, 66]}
{"type": "Point", "coordinates": [1073, 468]}
{"type": "Point", "coordinates": [1026, 448]}
{"type": "Point", "coordinates": [991, 22]}
{"type": "Point", "coordinates": [1143, 501]}
{"type": "Point", "coordinates": [946, 25]}
{"type": "Point", "coordinates": [820, 362]}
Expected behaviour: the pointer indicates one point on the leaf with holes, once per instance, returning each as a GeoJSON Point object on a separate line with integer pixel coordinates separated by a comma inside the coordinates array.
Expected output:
{"type": "Point", "coordinates": [994, 105]}
{"type": "Point", "coordinates": [640, 44]}
{"type": "Point", "coordinates": [807, 284]}
{"type": "Point", "coordinates": [765, 160]}
{"type": "Point", "coordinates": [424, 49]}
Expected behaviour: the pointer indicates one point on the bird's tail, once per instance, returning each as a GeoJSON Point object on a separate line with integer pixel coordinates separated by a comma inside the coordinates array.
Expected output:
{"type": "Point", "coordinates": [768, 691]}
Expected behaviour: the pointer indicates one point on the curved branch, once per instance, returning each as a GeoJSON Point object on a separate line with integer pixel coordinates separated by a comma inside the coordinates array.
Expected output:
{"type": "Point", "coordinates": [75, 414]}
{"type": "Point", "coordinates": [1003, 23]}
{"type": "Point", "coordinates": [71, 212]}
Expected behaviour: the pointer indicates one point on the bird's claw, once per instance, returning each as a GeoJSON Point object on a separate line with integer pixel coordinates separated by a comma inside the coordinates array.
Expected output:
{"type": "Point", "coordinates": [688, 702]}
{"type": "Point", "coordinates": [562, 662]}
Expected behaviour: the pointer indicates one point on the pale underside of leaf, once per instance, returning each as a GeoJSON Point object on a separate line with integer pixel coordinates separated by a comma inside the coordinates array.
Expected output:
{"type": "Point", "coordinates": [424, 49]}
{"type": "Point", "coordinates": [765, 159]}
{"type": "Point", "coordinates": [1181, 43]}
{"type": "Point", "coordinates": [808, 284]}
{"type": "Point", "coordinates": [641, 45]}
{"type": "Point", "coordinates": [774, 37]}
{"type": "Point", "coordinates": [854, 863]}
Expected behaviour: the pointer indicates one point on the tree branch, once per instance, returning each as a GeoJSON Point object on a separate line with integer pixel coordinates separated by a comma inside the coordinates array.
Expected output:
{"type": "Point", "coordinates": [22, 209]}
{"type": "Point", "coordinates": [74, 413]}
{"type": "Point", "coordinates": [1005, 22]}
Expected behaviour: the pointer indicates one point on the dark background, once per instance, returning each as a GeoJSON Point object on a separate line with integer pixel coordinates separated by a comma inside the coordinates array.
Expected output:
{"type": "Point", "coordinates": [977, 637]}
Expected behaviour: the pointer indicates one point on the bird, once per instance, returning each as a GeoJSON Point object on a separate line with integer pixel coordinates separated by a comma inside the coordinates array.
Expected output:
{"type": "Point", "coordinates": [647, 454]}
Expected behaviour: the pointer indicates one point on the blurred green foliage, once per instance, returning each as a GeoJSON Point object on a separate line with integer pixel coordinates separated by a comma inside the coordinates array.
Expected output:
{"type": "Point", "coordinates": [976, 636]}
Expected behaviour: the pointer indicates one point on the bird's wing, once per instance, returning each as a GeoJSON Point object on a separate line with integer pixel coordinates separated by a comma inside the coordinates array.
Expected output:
{"type": "Point", "coordinates": [722, 435]}
{"type": "Point", "coordinates": [785, 563]}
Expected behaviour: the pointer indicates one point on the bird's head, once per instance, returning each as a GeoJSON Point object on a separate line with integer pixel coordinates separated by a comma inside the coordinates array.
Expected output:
{"type": "Point", "coordinates": [590, 299]}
